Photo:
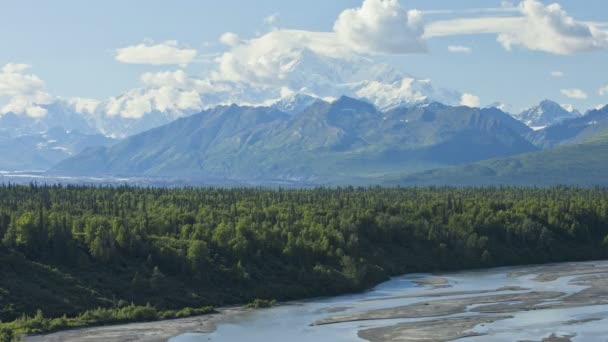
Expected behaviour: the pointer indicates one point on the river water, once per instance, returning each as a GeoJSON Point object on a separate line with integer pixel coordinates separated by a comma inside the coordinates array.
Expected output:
{"type": "Point", "coordinates": [576, 309]}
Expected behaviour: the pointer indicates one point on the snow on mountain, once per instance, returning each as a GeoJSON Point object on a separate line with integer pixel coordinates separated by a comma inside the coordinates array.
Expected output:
{"type": "Point", "coordinates": [60, 114]}
{"type": "Point", "coordinates": [295, 103]}
{"type": "Point", "coordinates": [289, 79]}
{"type": "Point", "coordinates": [307, 77]}
{"type": "Point", "coordinates": [545, 114]}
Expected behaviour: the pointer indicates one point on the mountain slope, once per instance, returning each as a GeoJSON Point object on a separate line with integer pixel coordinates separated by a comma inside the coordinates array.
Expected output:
{"type": "Point", "coordinates": [59, 115]}
{"type": "Point", "coordinates": [43, 150]}
{"type": "Point", "coordinates": [579, 164]}
{"type": "Point", "coordinates": [546, 113]}
{"type": "Point", "coordinates": [572, 131]}
{"type": "Point", "coordinates": [343, 141]}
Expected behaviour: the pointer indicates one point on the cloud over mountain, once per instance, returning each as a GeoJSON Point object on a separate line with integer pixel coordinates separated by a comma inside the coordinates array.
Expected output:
{"type": "Point", "coordinates": [25, 93]}
{"type": "Point", "coordinates": [574, 93]}
{"type": "Point", "coordinates": [538, 27]}
{"type": "Point", "coordinates": [381, 27]}
{"type": "Point", "coordinates": [166, 53]}
{"type": "Point", "coordinates": [348, 59]}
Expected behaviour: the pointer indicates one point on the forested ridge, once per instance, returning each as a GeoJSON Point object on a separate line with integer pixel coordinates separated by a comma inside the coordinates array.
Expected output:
{"type": "Point", "coordinates": [99, 255]}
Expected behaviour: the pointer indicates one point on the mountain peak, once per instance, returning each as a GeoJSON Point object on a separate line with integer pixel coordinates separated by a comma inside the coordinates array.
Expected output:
{"type": "Point", "coordinates": [295, 103]}
{"type": "Point", "coordinates": [546, 113]}
{"type": "Point", "coordinates": [547, 102]}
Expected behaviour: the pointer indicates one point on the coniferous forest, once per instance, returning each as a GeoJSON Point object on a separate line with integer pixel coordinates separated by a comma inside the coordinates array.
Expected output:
{"type": "Point", "coordinates": [73, 255]}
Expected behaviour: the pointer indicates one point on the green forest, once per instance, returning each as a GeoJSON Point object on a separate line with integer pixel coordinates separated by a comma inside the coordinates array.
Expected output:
{"type": "Point", "coordinates": [75, 255]}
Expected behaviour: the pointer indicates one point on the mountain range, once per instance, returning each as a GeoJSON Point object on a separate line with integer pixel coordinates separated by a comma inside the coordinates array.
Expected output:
{"type": "Point", "coordinates": [298, 138]}
{"type": "Point", "coordinates": [344, 141]}
{"type": "Point", "coordinates": [581, 158]}
{"type": "Point", "coordinates": [545, 114]}
{"type": "Point", "coordinates": [40, 151]}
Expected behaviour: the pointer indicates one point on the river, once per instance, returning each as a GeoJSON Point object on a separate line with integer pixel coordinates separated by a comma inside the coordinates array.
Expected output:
{"type": "Point", "coordinates": [560, 302]}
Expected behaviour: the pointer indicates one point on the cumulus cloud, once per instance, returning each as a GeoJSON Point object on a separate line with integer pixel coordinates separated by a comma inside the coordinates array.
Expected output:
{"type": "Point", "coordinates": [83, 105]}
{"type": "Point", "coordinates": [539, 27]}
{"type": "Point", "coordinates": [166, 53]}
{"type": "Point", "coordinates": [25, 93]}
{"type": "Point", "coordinates": [459, 49]}
{"type": "Point", "coordinates": [169, 91]}
{"type": "Point", "coordinates": [381, 27]}
{"type": "Point", "coordinates": [549, 28]}
{"type": "Point", "coordinates": [574, 93]}
{"type": "Point", "coordinates": [340, 61]}
{"type": "Point", "coordinates": [470, 100]}
{"type": "Point", "coordinates": [603, 90]}
{"type": "Point", "coordinates": [137, 103]}
{"type": "Point", "coordinates": [273, 57]}
{"type": "Point", "coordinates": [230, 39]}
{"type": "Point", "coordinates": [557, 74]}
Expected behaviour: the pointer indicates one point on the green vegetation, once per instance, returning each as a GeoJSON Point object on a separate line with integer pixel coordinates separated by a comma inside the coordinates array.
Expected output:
{"type": "Point", "coordinates": [261, 304]}
{"type": "Point", "coordinates": [100, 316]}
{"type": "Point", "coordinates": [345, 142]}
{"type": "Point", "coordinates": [584, 164]}
{"type": "Point", "coordinates": [75, 256]}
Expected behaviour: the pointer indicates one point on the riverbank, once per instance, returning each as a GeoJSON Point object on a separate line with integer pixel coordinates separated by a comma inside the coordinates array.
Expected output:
{"type": "Point", "coordinates": [158, 331]}
{"type": "Point", "coordinates": [72, 257]}
{"type": "Point", "coordinates": [556, 302]}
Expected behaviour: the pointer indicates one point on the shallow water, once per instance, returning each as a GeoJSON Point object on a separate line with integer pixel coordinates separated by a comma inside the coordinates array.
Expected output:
{"type": "Point", "coordinates": [292, 321]}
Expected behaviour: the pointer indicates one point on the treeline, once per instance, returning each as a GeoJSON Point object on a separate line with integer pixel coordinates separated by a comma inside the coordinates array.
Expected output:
{"type": "Point", "coordinates": [101, 316]}
{"type": "Point", "coordinates": [66, 250]}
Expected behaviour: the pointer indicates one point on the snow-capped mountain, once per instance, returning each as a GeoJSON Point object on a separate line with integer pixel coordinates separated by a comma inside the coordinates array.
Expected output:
{"type": "Point", "coordinates": [293, 81]}
{"type": "Point", "coordinates": [60, 114]}
{"type": "Point", "coordinates": [546, 113]}
{"type": "Point", "coordinates": [295, 103]}
{"type": "Point", "coordinates": [290, 82]}
{"type": "Point", "coordinates": [378, 83]}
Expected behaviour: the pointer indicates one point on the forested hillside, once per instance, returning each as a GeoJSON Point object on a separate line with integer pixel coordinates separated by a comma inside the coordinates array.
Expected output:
{"type": "Point", "coordinates": [584, 164]}
{"type": "Point", "coordinates": [140, 253]}
{"type": "Point", "coordinates": [344, 142]}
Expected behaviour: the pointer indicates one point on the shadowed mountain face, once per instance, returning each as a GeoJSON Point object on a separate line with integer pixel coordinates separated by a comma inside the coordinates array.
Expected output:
{"type": "Point", "coordinates": [545, 114]}
{"type": "Point", "coordinates": [584, 164]}
{"type": "Point", "coordinates": [340, 142]}
{"type": "Point", "coordinates": [572, 131]}
{"type": "Point", "coordinates": [40, 151]}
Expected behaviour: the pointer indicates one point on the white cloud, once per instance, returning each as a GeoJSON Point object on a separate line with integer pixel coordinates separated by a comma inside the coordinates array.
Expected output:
{"type": "Point", "coordinates": [169, 91]}
{"type": "Point", "coordinates": [574, 93]}
{"type": "Point", "coordinates": [231, 39]}
{"type": "Point", "coordinates": [326, 64]}
{"type": "Point", "coordinates": [459, 49]}
{"type": "Point", "coordinates": [603, 90]}
{"type": "Point", "coordinates": [273, 57]}
{"type": "Point", "coordinates": [549, 28]}
{"type": "Point", "coordinates": [568, 107]}
{"type": "Point", "coordinates": [556, 74]}
{"type": "Point", "coordinates": [83, 105]}
{"type": "Point", "coordinates": [467, 26]}
{"type": "Point", "coordinates": [542, 28]}
{"type": "Point", "coordinates": [174, 79]}
{"type": "Point", "coordinates": [273, 19]}
{"type": "Point", "coordinates": [469, 100]}
{"type": "Point", "coordinates": [24, 93]}
{"type": "Point", "coordinates": [15, 68]}
{"type": "Point", "coordinates": [166, 53]}
{"type": "Point", "coordinates": [381, 27]}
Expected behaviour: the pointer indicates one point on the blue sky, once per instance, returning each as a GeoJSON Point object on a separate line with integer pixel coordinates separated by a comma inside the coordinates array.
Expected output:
{"type": "Point", "coordinates": [72, 45]}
